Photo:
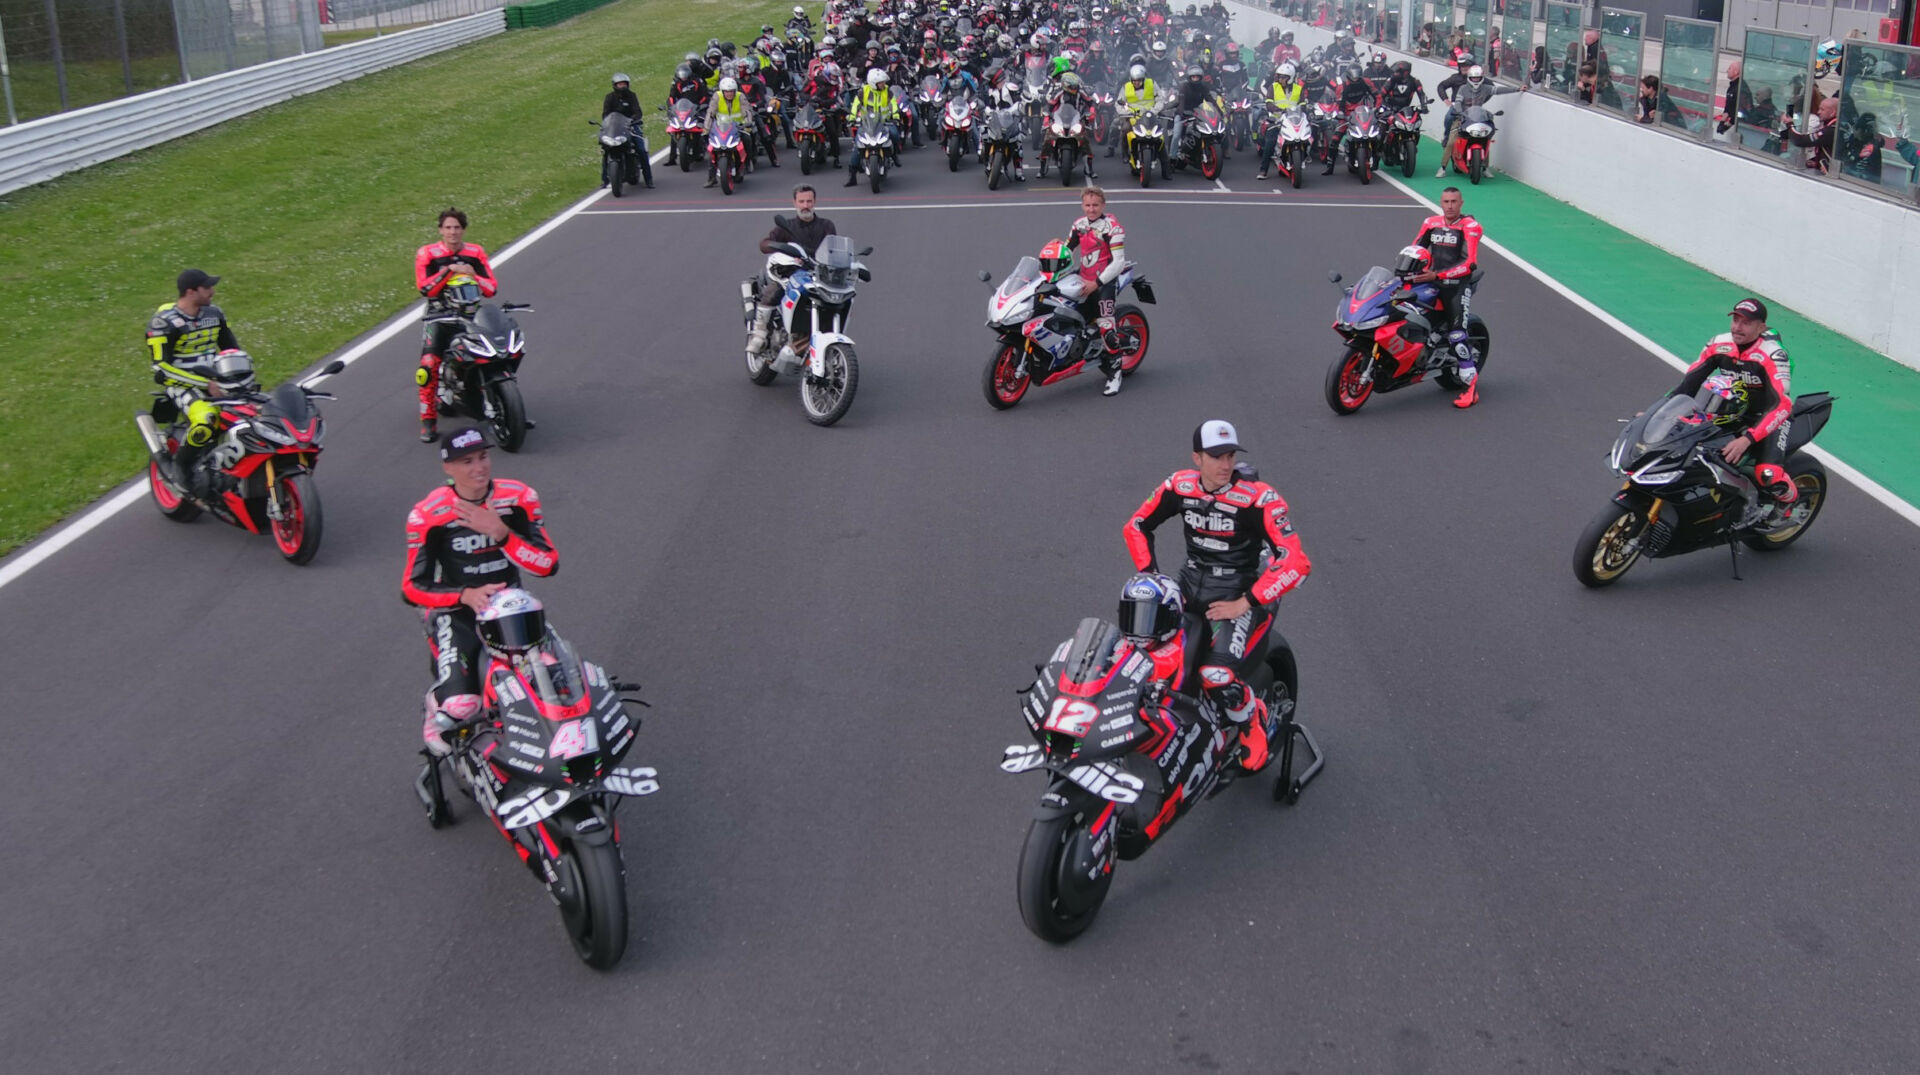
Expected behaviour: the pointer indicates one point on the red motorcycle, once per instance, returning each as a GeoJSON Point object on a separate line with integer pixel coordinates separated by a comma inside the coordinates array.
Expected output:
{"type": "Point", "coordinates": [1403, 139]}
{"type": "Point", "coordinates": [264, 449]}
{"type": "Point", "coordinates": [727, 147]}
{"type": "Point", "coordinates": [1473, 142]}
{"type": "Point", "coordinates": [686, 132]}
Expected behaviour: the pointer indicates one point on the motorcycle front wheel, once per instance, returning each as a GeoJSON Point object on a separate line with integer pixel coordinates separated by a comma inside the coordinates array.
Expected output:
{"type": "Point", "coordinates": [619, 178]}
{"type": "Point", "coordinates": [996, 165]}
{"type": "Point", "coordinates": [1210, 161]}
{"type": "Point", "coordinates": [683, 150]}
{"type": "Point", "coordinates": [1409, 157]}
{"type": "Point", "coordinates": [1005, 385]}
{"type": "Point", "coordinates": [509, 415]}
{"type": "Point", "coordinates": [956, 148]}
{"type": "Point", "coordinates": [806, 158]}
{"type": "Point", "coordinates": [1608, 546]}
{"type": "Point", "coordinates": [827, 398]}
{"type": "Point", "coordinates": [1146, 166]}
{"type": "Point", "coordinates": [297, 532]}
{"type": "Point", "coordinates": [1346, 392]}
{"type": "Point", "coordinates": [1366, 165]}
{"type": "Point", "coordinates": [1296, 164]}
{"type": "Point", "coordinates": [592, 894]}
{"type": "Point", "coordinates": [1069, 160]}
{"type": "Point", "coordinates": [1057, 901]}
{"type": "Point", "coordinates": [873, 175]}
{"type": "Point", "coordinates": [726, 177]}
{"type": "Point", "coordinates": [1476, 168]}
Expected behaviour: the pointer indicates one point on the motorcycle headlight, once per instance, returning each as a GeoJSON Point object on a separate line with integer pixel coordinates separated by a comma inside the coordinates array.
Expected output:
{"type": "Point", "coordinates": [609, 140]}
{"type": "Point", "coordinates": [1479, 130]}
{"type": "Point", "coordinates": [1648, 476]}
{"type": "Point", "coordinates": [269, 431]}
{"type": "Point", "coordinates": [1372, 322]}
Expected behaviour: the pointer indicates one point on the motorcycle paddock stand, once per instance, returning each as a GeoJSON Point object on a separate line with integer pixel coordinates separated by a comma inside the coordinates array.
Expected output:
{"type": "Point", "coordinates": [432, 795]}
{"type": "Point", "coordinates": [1287, 786]}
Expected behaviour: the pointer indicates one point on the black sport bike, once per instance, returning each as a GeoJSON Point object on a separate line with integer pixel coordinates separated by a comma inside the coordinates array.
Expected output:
{"type": "Point", "coordinates": [479, 374]}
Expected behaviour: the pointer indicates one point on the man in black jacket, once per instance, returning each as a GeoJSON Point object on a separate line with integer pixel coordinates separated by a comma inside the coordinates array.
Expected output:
{"type": "Point", "coordinates": [803, 228]}
{"type": "Point", "coordinates": [623, 101]}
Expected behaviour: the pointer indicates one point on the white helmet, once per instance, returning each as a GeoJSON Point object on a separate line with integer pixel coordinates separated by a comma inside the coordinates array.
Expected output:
{"type": "Point", "coordinates": [728, 85]}
{"type": "Point", "coordinates": [1476, 74]}
{"type": "Point", "coordinates": [1286, 70]}
{"type": "Point", "coordinates": [798, 10]}
{"type": "Point", "coordinates": [876, 77]}
{"type": "Point", "coordinates": [1136, 72]}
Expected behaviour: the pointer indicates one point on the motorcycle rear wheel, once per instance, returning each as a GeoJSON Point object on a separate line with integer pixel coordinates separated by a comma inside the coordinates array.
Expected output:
{"type": "Point", "coordinates": [168, 499]}
{"type": "Point", "coordinates": [297, 534]}
{"type": "Point", "coordinates": [1130, 320]}
{"type": "Point", "coordinates": [509, 416]}
{"type": "Point", "coordinates": [760, 368]}
{"type": "Point", "coordinates": [827, 398]}
{"type": "Point", "coordinates": [1054, 907]}
{"type": "Point", "coordinates": [1811, 479]}
{"type": "Point", "coordinates": [592, 894]}
{"type": "Point", "coordinates": [1601, 556]}
{"type": "Point", "coordinates": [1004, 389]}
{"type": "Point", "coordinates": [1482, 342]}
{"type": "Point", "coordinates": [1344, 392]}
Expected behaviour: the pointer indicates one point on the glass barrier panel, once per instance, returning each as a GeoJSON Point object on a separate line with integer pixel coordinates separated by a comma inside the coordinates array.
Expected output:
{"type": "Point", "coordinates": [1563, 46]}
{"type": "Point", "coordinates": [1473, 18]}
{"type": "Point", "coordinates": [1879, 96]}
{"type": "Point", "coordinates": [1687, 59]}
{"type": "Point", "coordinates": [1622, 37]}
{"type": "Point", "coordinates": [1771, 89]}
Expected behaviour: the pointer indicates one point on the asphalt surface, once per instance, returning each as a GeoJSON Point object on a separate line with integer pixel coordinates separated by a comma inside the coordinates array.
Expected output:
{"type": "Point", "coordinates": [1665, 827]}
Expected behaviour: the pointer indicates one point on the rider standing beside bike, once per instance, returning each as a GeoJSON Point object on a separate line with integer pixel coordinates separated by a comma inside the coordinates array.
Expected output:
{"type": "Point", "coordinates": [803, 228]}
{"type": "Point", "coordinates": [433, 265]}
{"type": "Point", "coordinates": [1752, 353]}
{"type": "Point", "coordinates": [183, 338]}
{"type": "Point", "coordinates": [1453, 238]}
{"type": "Point", "coordinates": [468, 540]}
{"type": "Point", "coordinates": [1230, 521]}
{"type": "Point", "coordinates": [1099, 246]}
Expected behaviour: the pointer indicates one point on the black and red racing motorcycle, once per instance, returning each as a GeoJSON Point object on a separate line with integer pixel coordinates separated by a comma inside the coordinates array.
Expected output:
{"type": "Point", "coordinates": [1125, 759]}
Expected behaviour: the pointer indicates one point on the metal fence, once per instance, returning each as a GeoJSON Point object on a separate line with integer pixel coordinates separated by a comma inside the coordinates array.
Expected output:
{"type": "Point", "coordinates": [58, 55]}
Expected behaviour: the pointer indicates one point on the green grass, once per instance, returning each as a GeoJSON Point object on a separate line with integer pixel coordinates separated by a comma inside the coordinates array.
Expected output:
{"type": "Point", "coordinates": [311, 210]}
{"type": "Point", "coordinates": [36, 85]}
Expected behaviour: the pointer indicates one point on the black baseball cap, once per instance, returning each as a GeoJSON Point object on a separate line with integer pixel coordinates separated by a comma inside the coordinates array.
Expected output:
{"type": "Point", "coordinates": [1750, 307]}
{"type": "Point", "coordinates": [1215, 437]}
{"type": "Point", "coordinates": [463, 441]}
{"type": "Point", "coordinates": [193, 278]}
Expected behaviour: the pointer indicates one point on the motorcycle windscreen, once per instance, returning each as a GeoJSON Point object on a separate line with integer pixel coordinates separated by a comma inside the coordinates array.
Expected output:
{"type": "Point", "coordinates": [1674, 423]}
{"type": "Point", "coordinates": [554, 671]}
{"type": "Point", "coordinates": [1066, 117]}
{"type": "Point", "coordinates": [726, 132]}
{"type": "Point", "coordinates": [615, 125]}
{"type": "Point", "coordinates": [1036, 75]}
{"type": "Point", "coordinates": [683, 108]}
{"type": "Point", "coordinates": [1025, 273]}
{"type": "Point", "coordinates": [834, 261]}
{"type": "Point", "coordinates": [1378, 281]}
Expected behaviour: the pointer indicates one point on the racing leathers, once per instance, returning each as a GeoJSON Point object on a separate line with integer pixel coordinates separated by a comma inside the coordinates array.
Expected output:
{"type": "Point", "coordinates": [446, 558]}
{"type": "Point", "coordinates": [1764, 380]}
{"type": "Point", "coordinates": [1455, 245]}
{"type": "Point", "coordinates": [1399, 91]}
{"type": "Point", "coordinates": [1228, 532]}
{"type": "Point", "coordinates": [1100, 246]}
{"type": "Point", "coordinates": [432, 268]}
{"type": "Point", "coordinates": [179, 345]}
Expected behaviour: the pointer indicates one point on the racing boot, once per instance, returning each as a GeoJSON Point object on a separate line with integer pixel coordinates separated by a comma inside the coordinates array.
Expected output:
{"type": "Point", "coordinates": [1773, 479]}
{"type": "Point", "coordinates": [1466, 360]}
{"type": "Point", "coordinates": [1251, 717]}
{"type": "Point", "coordinates": [757, 341]}
{"type": "Point", "coordinates": [444, 717]}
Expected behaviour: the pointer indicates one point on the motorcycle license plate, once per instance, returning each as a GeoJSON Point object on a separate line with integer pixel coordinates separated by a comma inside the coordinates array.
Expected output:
{"type": "Point", "coordinates": [1144, 290]}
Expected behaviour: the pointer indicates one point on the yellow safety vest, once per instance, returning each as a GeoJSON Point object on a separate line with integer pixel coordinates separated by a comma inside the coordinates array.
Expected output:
{"type": "Point", "coordinates": [1134, 96]}
{"type": "Point", "coordinates": [1286, 96]}
{"type": "Point", "coordinates": [734, 112]}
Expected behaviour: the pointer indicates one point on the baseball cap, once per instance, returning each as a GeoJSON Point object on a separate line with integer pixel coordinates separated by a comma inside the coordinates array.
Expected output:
{"type": "Point", "coordinates": [193, 278]}
{"type": "Point", "coordinates": [463, 441]}
{"type": "Point", "coordinates": [1750, 307]}
{"type": "Point", "coordinates": [1215, 437]}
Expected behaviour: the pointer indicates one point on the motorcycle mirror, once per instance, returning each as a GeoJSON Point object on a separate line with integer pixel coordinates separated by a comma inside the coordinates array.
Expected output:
{"type": "Point", "coordinates": [1501, 112]}
{"type": "Point", "coordinates": [986, 277]}
{"type": "Point", "coordinates": [1335, 277]}
{"type": "Point", "coordinates": [863, 251]}
{"type": "Point", "coordinates": [332, 368]}
{"type": "Point", "coordinates": [865, 274]}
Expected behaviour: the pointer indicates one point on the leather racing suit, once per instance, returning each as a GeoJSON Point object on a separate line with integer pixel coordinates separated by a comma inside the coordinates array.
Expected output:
{"type": "Point", "coordinates": [1764, 372]}
{"type": "Point", "coordinates": [430, 275]}
{"type": "Point", "coordinates": [1101, 247]}
{"type": "Point", "coordinates": [179, 345]}
{"type": "Point", "coordinates": [1455, 246]}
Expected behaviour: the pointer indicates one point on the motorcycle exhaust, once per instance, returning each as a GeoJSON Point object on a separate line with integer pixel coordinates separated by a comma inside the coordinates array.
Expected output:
{"type": "Point", "coordinates": [156, 444]}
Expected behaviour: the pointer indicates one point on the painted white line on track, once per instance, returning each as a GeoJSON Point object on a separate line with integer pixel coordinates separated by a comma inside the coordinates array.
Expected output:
{"type": "Point", "coordinates": [1223, 188]}
{"type": "Point", "coordinates": [1840, 466]}
{"type": "Point", "coordinates": [1112, 199]}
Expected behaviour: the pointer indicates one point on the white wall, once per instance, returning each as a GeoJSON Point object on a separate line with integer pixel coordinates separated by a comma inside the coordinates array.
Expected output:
{"type": "Point", "coordinates": [1845, 259]}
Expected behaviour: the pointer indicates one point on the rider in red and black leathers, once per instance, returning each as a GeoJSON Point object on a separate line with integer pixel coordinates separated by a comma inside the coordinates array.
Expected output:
{"type": "Point", "coordinates": [1455, 244]}
{"type": "Point", "coordinates": [1766, 378]}
{"type": "Point", "coordinates": [445, 558]}
{"type": "Point", "coordinates": [1227, 531]}
{"type": "Point", "coordinates": [432, 267]}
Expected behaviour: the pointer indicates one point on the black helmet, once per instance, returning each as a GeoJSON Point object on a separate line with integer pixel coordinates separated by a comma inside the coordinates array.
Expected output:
{"type": "Point", "coordinates": [1151, 608]}
{"type": "Point", "coordinates": [512, 623]}
{"type": "Point", "coordinates": [1402, 69]}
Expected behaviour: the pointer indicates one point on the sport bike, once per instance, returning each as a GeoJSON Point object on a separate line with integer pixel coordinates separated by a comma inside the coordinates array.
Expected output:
{"type": "Point", "coordinates": [812, 313]}
{"type": "Point", "coordinates": [1392, 340]}
{"type": "Point", "coordinates": [1403, 139]}
{"type": "Point", "coordinates": [1364, 138]}
{"type": "Point", "coordinates": [810, 137]}
{"type": "Point", "coordinates": [1328, 124]}
{"type": "Point", "coordinates": [726, 145]}
{"type": "Point", "coordinates": [621, 148]}
{"type": "Point", "coordinates": [265, 448]}
{"type": "Point", "coordinates": [480, 373]}
{"type": "Point", "coordinates": [1066, 143]}
{"type": "Point", "coordinates": [543, 764]}
{"type": "Point", "coordinates": [1473, 142]}
{"type": "Point", "coordinates": [1680, 495]}
{"type": "Point", "coordinates": [1203, 137]}
{"type": "Point", "coordinates": [956, 130]}
{"type": "Point", "coordinates": [686, 132]}
{"type": "Point", "coordinates": [873, 146]}
{"type": "Point", "coordinates": [1125, 759]}
{"type": "Point", "coordinates": [1147, 146]}
{"type": "Point", "coordinates": [1294, 144]}
{"type": "Point", "coordinates": [926, 108]}
{"type": "Point", "coordinates": [999, 143]}
{"type": "Point", "coordinates": [1044, 339]}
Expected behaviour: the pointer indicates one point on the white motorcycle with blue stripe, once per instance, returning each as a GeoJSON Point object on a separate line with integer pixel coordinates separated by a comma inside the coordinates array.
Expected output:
{"type": "Point", "coordinates": [819, 294]}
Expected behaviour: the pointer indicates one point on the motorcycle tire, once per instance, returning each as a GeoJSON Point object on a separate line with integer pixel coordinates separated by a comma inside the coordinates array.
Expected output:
{"type": "Point", "coordinates": [1069, 160]}
{"type": "Point", "coordinates": [432, 795]}
{"type": "Point", "coordinates": [1210, 161]}
{"type": "Point", "coordinates": [297, 534]}
{"type": "Point", "coordinates": [1482, 342]}
{"type": "Point", "coordinates": [684, 153]}
{"type": "Point", "coordinates": [1046, 159]}
{"type": "Point", "coordinates": [1283, 698]}
{"type": "Point", "coordinates": [1146, 167]}
{"type": "Point", "coordinates": [1296, 165]}
{"type": "Point", "coordinates": [1409, 157]}
{"type": "Point", "coordinates": [592, 893]}
{"type": "Point", "coordinates": [873, 177]}
{"type": "Point", "coordinates": [1811, 479]}
{"type": "Point", "coordinates": [826, 399]}
{"type": "Point", "coordinates": [760, 368]}
{"type": "Point", "coordinates": [619, 180]}
{"type": "Point", "coordinates": [1057, 904]}
{"type": "Point", "coordinates": [169, 500]}
{"type": "Point", "coordinates": [1003, 388]}
{"type": "Point", "coordinates": [1476, 169]}
{"type": "Point", "coordinates": [1597, 559]}
{"type": "Point", "coordinates": [806, 160]}
{"type": "Point", "coordinates": [996, 167]}
{"type": "Point", "coordinates": [955, 150]}
{"type": "Point", "coordinates": [726, 178]}
{"type": "Point", "coordinates": [509, 416]}
{"type": "Point", "coordinates": [1343, 395]}
{"type": "Point", "coordinates": [1366, 166]}
{"type": "Point", "coordinates": [1128, 318]}
{"type": "Point", "coordinates": [1166, 167]}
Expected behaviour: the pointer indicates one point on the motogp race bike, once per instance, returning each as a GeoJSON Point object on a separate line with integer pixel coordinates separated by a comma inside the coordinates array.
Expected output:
{"type": "Point", "coordinates": [1473, 143]}
{"type": "Point", "coordinates": [263, 454]}
{"type": "Point", "coordinates": [1125, 759]}
{"type": "Point", "coordinates": [621, 148]}
{"type": "Point", "coordinates": [543, 764]}
{"type": "Point", "coordinates": [686, 132]}
{"type": "Point", "coordinates": [727, 147]}
{"type": "Point", "coordinates": [1043, 338]}
{"type": "Point", "coordinates": [480, 373]}
{"type": "Point", "coordinates": [1394, 338]}
{"type": "Point", "coordinates": [1066, 143]}
{"type": "Point", "coordinates": [1681, 495]}
{"type": "Point", "coordinates": [813, 316]}
{"type": "Point", "coordinates": [1403, 139]}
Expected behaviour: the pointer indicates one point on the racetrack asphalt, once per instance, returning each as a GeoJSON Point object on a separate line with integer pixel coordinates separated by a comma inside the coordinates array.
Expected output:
{"type": "Point", "coordinates": [1663, 827]}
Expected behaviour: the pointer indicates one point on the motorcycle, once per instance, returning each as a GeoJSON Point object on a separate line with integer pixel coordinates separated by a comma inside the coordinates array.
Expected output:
{"type": "Point", "coordinates": [1033, 100]}
{"type": "Point", "coordinates": [1403, 139]}
{"type": "Point", "coordinates": [1680, 495]}
{"type": "Point", "coordinates": [1363, 142]}
{"type": "Point", "coordinates": [479, 374]}
{"type": "Point", "coordinates": [542, 763]}
{"type": "Point", "coordinates": [810, 138]}
{"type": "Point", "coordinates": [1391, 339]}
{"type": "Point", "coordinates": [266, 446]}
{"type": "Point", "coordinates": [873, 145]}
{"type": "Point", "coordinates": [686, 131]}
{"type": "Point", "coordinates": [813, 312]}
{"type": "Point", "coordinates": [956, 130]}
{"type": "Point", "coordinates": [726, 146]}
{"type": "Point", "coordinates": [768, 127]}
{"type": "Point", "coordinates": [1066, 143]}
{"type": "Point", "coordinates": [1294, 143]}
{"type": "Point", "coordinates": [1146, 145]}
{"type": "Point", "coordinates": [1328, 124]}
{"type": "Point", "coordinates": [1202, 137]}
{"type": "Point", "coordinates": [999, 144]}
{"type": "Point", "coordinates": [621, 147]}
{"type": "Point", "coordinates": [1099, 118]}
{"type": "Point", "coordinates": [926, 108]}
{"type": "Point", "coordinates": [1100, 722]}
{"type": "Point", "coordinates": [1473, 142]}
{"type": "Point", "coordinates": [1826, 58]}
{"type": "Point", "coordinates": [1240, 120]}
{"type": "Point", "coordinates": [1043, 338]}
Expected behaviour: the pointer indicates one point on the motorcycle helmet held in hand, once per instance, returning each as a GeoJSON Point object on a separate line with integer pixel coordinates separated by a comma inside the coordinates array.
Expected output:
{"type": "Point", "coordinates": [1151, 609]}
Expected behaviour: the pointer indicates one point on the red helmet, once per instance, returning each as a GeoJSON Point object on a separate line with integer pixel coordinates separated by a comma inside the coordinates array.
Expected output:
{"type": "Point", "coordinates": [1413, 259]}
{"type": "Point", "coordinates": [1056, 259]}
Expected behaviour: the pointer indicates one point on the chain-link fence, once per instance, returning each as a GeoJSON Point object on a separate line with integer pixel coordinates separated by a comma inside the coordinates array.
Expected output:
{"type": "Point", "coordinates": [57, 55]}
